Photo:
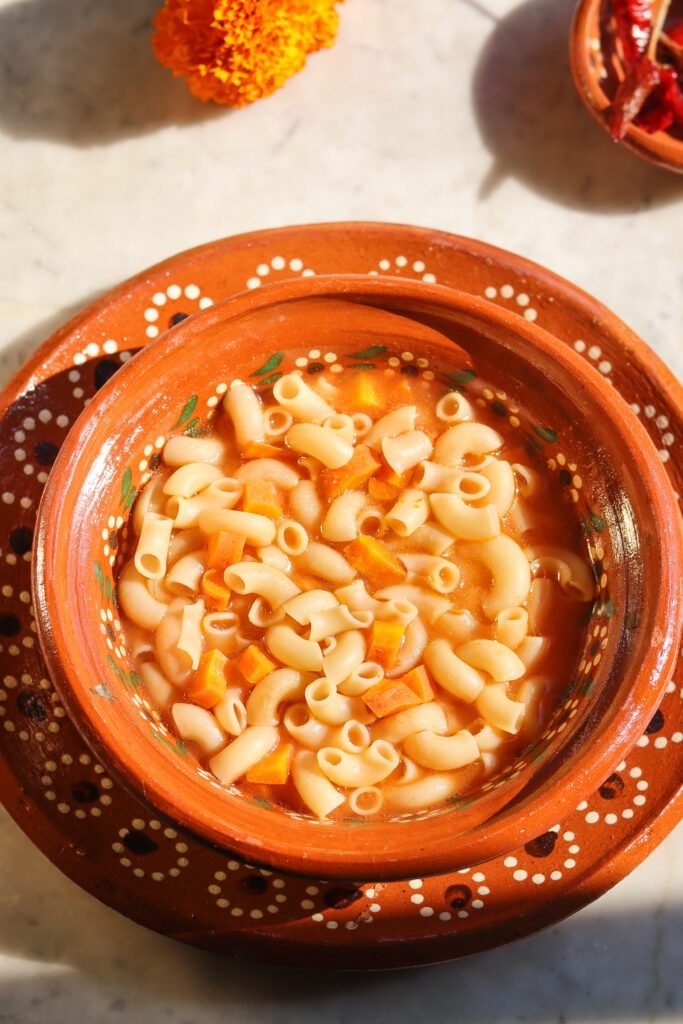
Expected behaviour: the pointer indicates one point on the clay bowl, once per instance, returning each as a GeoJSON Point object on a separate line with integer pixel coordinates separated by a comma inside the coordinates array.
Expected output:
{"type": "Point", "coordinates": [569, 417]}
{"type": "Point", "coordinates": [590, 71]}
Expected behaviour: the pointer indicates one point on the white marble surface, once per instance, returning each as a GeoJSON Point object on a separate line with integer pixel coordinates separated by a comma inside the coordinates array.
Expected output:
{"type": "Point", "coordinates": [458, 114]}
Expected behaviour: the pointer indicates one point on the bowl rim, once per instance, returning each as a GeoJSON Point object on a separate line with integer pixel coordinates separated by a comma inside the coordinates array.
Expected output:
{"type": "Point", "coordinates": [560, 796]}
{"type": "Point", "coordinates": [660, 147]}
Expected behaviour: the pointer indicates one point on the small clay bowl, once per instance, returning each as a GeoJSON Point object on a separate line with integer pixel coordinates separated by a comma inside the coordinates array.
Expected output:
{"type": "Point", "coordinates": [567, 415]}
{"type": "Point", "coordinates": [589, 69]}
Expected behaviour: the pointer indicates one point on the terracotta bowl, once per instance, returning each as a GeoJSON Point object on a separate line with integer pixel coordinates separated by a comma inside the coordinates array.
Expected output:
{"type": "Point", "coordinates": [566, 414]}
{"type": "Point", "coordinates": [590, 76]}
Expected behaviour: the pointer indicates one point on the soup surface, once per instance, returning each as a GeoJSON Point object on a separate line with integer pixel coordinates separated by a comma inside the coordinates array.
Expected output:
{"type": "Point", "coordinates": [359, 596]}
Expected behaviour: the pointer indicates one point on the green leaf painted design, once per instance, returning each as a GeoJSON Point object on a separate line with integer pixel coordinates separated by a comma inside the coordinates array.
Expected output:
{"type": "Point", "coordinates": [546, 434]}
{"type": "Point", "coordinates": [262, 802]}
{"type": "Point", "coordinates": [268, 381]}
{"type": "Point", "coordinates": [107, 587]}
{"type": "Point", "coordinates": [586, 526]}
{"type": "Point", "coordinates": [134, 680]}
{"type": "Point", "coordinates": [539, 755]}
{"type": "Point", "coordinates": [99, 575]}
{"type": "Point", "coordinates": [126, 483]}
{"type": "Point", "coordinates": [632, 621]}
{"type": "Point", "coordinates": [188, 409]}
{"type": "Point", "coordinates": [118, 671]}
{"type": "Point", "coordinates": [364, 366]}
{"type": "Point", "coordinates": [609, 608]}
{"type": "Point", "coordinates": [599, 524]}
{"type": "Point", "coordinates": [130, 499]}
{"type": "Point", "coordinates": [103, 691]}
{"type": "Point", "coordinates": [270, 364]}
{"type": "Point", "coordinates": [462, 377]}
{"type": "Point", "coordinates": [587, 687]}
{"type": "Point", "coordinates": [182, 748]}
{"type": "Point", "coordinates": [369, 353]}
{"type": "Point", "coordinates": [355, 822]}
{"type": "Point", "coordinates": [534, 442]}
{"type": "Point", "coordinates": [461, 803]}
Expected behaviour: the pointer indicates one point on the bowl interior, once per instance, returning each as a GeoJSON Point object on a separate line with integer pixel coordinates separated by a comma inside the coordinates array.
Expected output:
{"type": "Point", "coordinates": [587, 439]}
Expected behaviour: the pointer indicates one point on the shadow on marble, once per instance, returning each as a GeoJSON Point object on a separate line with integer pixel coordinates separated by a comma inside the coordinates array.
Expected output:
{"type": "Point", "coordinates": [63, 955]}
{"type": "Point", "coordinates": [83, 72]}
{"type": "Point", "coordinates": [15, 353]}
{"type": "Point", "coordinates": [537, 130]}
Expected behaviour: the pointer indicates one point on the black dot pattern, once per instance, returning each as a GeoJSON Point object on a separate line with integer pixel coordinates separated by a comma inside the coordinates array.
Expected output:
{"type": "Point", "coordinates": [498, 409]}
{"type": "Point", "coordinates": [9, 624]}
{"type": "Point", "coordinates": [458, 896]}
{"type": "Point", "coordinates": [612, 787]}
{"type": "Point", "coordinates": [177, 318]}
{"type": "Point", "coordinates": [139, 843]}
{"type": "Point", "coordinates": [21, 540]}
{"type": "Point", "coordinates": [104, 371]}
{"type": "Point", "coordinates": [341, 896]}
{"type": "Point", "coordinates": [565, 477]}
{"type": "Point", "coordinates": [32, 706]}
{"type": "Point", "coordinates": [254, 883]}
{"type": "Point", "coordinates": [315, 368]}
{"type": "Point", "coordinates": [409, 370]}
{"type": "Point", "coordinates": [542, 846]}
{"type": "Point", "coordinates": [45, 453]}
{"type": "Point", "coordinates": [84, 792]}
{"type": "Point", "coordinates": [656, 723]}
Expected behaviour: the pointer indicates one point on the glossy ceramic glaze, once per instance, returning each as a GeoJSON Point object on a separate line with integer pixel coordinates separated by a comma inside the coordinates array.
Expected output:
{"type": "Point", "coordinates": [624, 499]}
{"type": "Point", "coordinates": [586, 60]}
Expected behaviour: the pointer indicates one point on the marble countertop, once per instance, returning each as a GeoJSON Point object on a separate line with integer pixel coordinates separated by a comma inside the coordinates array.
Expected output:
{"type": "Point", "coordinates": [458, 114]}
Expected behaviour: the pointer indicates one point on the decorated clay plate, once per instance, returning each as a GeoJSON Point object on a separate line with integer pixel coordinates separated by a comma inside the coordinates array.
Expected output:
{"type": "Point", "coordinates": [110, 844]}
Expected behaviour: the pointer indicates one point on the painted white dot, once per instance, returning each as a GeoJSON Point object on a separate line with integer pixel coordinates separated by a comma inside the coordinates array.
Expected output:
{"type": "Point", "coordinates": [592, 817]}
{"type": "Point", "coordinates": [538, 879]}
{"type": "Point", "coordinates": [401, 261]}
{"type": "Point", "coordinates": [483, 890]}
{"type": "Point", "coordinates": [643, 741]}
{"type": "Point", "coordinates": [151, 315]}
{"type": "Point", "coordinates": [278, 883]}
{"type": "Point", "coordinates": [254, 282]}
{"type": "Point", "coordinates": [478, 877]}
{"type": "Point", "coordinates": [296, 265]}
{"type": "Point", "coordinates": [78, 392]}
{"type": "Point", "coordinates": [125, 356]}
{"type": "Point", "coordinates": [19, 436]}
{"type": "Point", "coordinates": [519, 875]}
{"type": "Point", "coordinates": [91, 350]}
{"type": "Point", "coordinates": [677, 737]}
{"type": "Point", "coordinates": [611, 819]}
{"type": "Point", "coordinates": [582, 806]}
{"type": "Point", "coordinates": [79, 359]}
{"type": "Point", "coordinates": [507, 291]}
{"type": "Point", "coordinates": [570, 863]}
{"type": "Point", "coordinates": [426, 911]}
{"type": "Point", "coordinates": [445, 915]}
{"type": "Point", "coordinates": [415, 883]}
{"type": "Point", "coordinates": [278, 263]}
{"type": "Point", "coordinates": [374, 908]}
{"type": "Point", "coordinates": [477, 904]}
{"type": "Point", "coordinates": [522, 299]}
{"type": "Point", "coordinates": [568, 836]}
{"type": "Point", "coordinates": [152, 331]}
{"type": "Point", "coordinates": [627, 813]}
{"type": "Point", "coordinates": [332, 925]}
{"type": "Point", "coordinates": [8, 497]}
{"type": "Point", "coordinates": [635, 773]}
{"type": "Point", "coordinates": [635, 408]}
{"type": "Point", "coordinates": [429, 278]}
{"type": "Point", "coordinates": [580, 346]}
{"type": "Point", "coordinates": [649, 411]}
{"type": "Point", "coordinates": [28, 470]}
{"type": "Point", "coordinates": [263, 270]}
{"type": "Point", "coordinates": [192, 291]}
{"type": "Point", "coordinates": [530, 314]}
{"type": "Point", "coordinates": [594, 352]}
{"type": "Point", "coordinates": [463, 914]}
{"type": "Point", "coordinates": [605, 366]}
{"type": "Point", "coordinates": [25, 502]}
{"type": "Point", "coordinates": [417, 897]}
{"type": "Point", "coordinates": [490, 292]}
{"type": "Point", "coordinates": [62, 421]}
{"type": "Point", "coordinates": [668, 439]}
{"type": "Point", "coordinates": [574, 848]}
{"type": "Point", "coordinates": [418, 266]}
{"type": "Point", "coordinates": [19, 454]}
{"type": "Point", "coordinates": [205, 302]}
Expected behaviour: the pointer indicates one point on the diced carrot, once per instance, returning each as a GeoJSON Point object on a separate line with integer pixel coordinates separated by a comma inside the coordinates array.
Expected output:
{"type": "Point", "coordinates": [382, 491]}
{"type": "Point", "coordinates": [233, 676]}
{"type": "Point", "coordinates": [273, 769]}
{"type": "Point", "coordinates": [385, 642]}
{"type": "Point", "coordinates": [254, 664]}
{"type": "Point", "coordinates": [215, 591]}
{"type": "Point", "coordinates": [262, 498]}
{"type": "Point", "coordinates": [398, 480]}
{"type": "Point", "coordinates": [360, 467]}
{"type": "Point", "coordinates": [208, 683]}
{"type": "Point", "coordinates": [390, 696]}
{"type": "Point", "coordinates": [418, 680]}
{"type": "Point", "coordinates": [365, 394]}
{"type": "Point", "coordinates": [223, 549]}
{"type": "Point", "coordinates": [261, 450]}
{"type": "Point", "coordinates": [374, 560]}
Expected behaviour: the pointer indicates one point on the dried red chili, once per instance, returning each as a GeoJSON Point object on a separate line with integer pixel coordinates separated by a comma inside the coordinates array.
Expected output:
{"type": "Point", "coordinates": [633, 20]}
{"type": "Point", "coordinates": [640, 82]}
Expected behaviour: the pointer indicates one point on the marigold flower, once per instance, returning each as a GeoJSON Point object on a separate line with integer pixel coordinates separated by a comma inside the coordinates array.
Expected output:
{"type": "Point", "coordinates": [236, 51]}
